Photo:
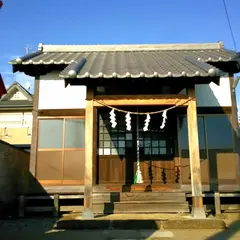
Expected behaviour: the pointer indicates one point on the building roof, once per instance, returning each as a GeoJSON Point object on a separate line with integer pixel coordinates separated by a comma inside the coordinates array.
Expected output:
{"type": "Point", "coordinates": [2, 87]}
{"type": "Point", "coordinates": [8, 102]}
{"type": "Point", "coordinates": [133, 61]}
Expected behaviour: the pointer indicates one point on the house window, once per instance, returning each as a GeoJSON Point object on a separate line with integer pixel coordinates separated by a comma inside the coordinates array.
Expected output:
{"type": "Point", "coordinates": [155, 141]}
{"type": "Point", "coordinates": [119, 141]}
{"type": "Point", "coordinates": [50, 134]}
{"type": "Point", "coordinates": [60, 157]}
{"type": "Point", "coordinates": [183, 135]}
{"type": "Point", "coordinates": [113, 141]}
{"type": "Point", "coordinates": [219, 132]}
{"type": "Point", "coordinates": [74, 133]}
{"type": "Point", "coordinates": [61, 133]}
{"type": "Point", "coordinates": [184, 132]}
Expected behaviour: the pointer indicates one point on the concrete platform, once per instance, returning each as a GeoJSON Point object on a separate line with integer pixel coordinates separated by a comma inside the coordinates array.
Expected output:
{"type": "Point", "coordinates": [139, 221]}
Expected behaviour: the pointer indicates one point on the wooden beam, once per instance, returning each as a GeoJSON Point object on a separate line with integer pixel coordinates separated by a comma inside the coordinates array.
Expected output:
{"type": "Point", "coordinates": [61, 112]}
{"type": "Point", "coordinates": [90, 154]}
{"type": "Point", "coordinates": [143, 100]}
{"type": "Point", "coordinates": [197, 205]}
{"type": "Point", "coordinates": [34, 140]}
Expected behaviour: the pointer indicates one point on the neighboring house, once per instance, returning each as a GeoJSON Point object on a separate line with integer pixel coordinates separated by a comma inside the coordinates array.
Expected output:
{"type": "Point", "coordinates": [75, 148]}
{"type": "Point", "coordinates": [16, 116]}
{"type": "Point", "coordinates": [14, 162]}
{"type": "Point", "coordinates": [2, 87]}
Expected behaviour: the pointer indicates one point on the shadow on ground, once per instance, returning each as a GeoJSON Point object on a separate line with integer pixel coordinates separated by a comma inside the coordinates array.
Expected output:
{"type": "Point", "coordinates": [233, 228]}
{"type": "Point", "coordinates": [43, 228]}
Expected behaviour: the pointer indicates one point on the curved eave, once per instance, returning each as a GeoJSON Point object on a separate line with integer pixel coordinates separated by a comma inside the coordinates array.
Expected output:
{"type": "Point", "coordinates": [126, 76]}
{"type": "Point", "coordinates": [52, 61]}
{"type": "Point", "coordinates": [26, 58]}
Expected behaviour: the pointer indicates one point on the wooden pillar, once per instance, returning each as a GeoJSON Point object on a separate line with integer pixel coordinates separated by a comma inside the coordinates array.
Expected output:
{"type": "Point", "coordinates": [34, 147]}
{"type": "Point", "coordinates": [56, 205]}
{"type": "Point", "coordinates": [21, 206]}
{"type": "Point", "coordinates": [90, 154]}
{"type": "Point", "coordinates": [197, 199]}
{"type": "Point", "coordinates": [235, 127]}
{"type": "Point", "coordinates": [217, 203]}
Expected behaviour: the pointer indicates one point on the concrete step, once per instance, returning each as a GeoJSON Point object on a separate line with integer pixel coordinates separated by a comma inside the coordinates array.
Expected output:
{"type": "Point", "coordinates": [140, 196]}
{"type": "Point", "coordinates": [141, 207]}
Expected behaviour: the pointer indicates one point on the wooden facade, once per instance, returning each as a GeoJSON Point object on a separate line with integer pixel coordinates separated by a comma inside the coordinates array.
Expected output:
{"type": "Point", "coordinates": [168, 172]}
{"type": "Point", "coordinates": [75, 149]}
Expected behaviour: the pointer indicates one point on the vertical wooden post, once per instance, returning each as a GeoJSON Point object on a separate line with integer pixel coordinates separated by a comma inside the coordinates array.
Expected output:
{"type": "Point", "coordinates": [217, 203]}
{"type": "Point", "coordinates": [33, 153]}
{"type": "Point", "coordinates": [235, 127]}
{"type": "Point", "coordinates": [90, 154]}
{"type": "Point", "coordinates": [21, 206]}
{"type": "Point", "coordinates": [56, 205]}
{"type": "Point", "coordinates": [197, 199]}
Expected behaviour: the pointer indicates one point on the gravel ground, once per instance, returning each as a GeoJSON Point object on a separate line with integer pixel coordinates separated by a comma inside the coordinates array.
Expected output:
{"type": "Point", "coordinates": [42, 228]}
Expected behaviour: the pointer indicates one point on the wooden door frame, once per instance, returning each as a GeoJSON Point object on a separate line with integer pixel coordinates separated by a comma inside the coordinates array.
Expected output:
{"type": "Point", "coordinates": [144, 100]}
{"type": "Point", "coordinates": [62, 149]}
{"type": "Point", "coordinates": [175, 157]}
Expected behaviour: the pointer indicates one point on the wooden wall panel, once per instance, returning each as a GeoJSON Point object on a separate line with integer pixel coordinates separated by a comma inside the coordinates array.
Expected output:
{"type": "Point", "coordinates": [185, 168]}
{"type": "Point", "coordinates": [220, 170]}
{"type": "Point", "coordinates": [226, 166]}
{"type": "Point", "coordinates": [49, 165]}
{"type": "Point", "coordinates": [157, 171]}
{"type": "Point", "coordinates": [73, 165]}
{"type": "Point", "coordinates": [112, 169]}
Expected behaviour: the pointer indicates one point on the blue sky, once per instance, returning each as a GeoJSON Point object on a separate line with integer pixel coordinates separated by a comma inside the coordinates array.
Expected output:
{"type": "Point", "coordinates": [29, 22]}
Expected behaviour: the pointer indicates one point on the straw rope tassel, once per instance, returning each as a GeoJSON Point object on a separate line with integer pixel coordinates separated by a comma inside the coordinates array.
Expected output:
{"type": "Point", "coordinates": [138, 176]}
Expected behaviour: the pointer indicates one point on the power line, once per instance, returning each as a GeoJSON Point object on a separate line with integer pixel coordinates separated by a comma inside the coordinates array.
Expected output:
{"type": "Point", "coordinates": [230, 27]}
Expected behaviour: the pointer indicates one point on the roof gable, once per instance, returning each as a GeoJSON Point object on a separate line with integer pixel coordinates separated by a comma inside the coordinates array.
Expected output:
{"type": "Point", "coordinates": [17, 92]}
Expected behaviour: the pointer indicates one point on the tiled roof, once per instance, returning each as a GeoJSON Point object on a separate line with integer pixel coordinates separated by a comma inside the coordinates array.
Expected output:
{"type": "Point", "coordinates": [132, 61]}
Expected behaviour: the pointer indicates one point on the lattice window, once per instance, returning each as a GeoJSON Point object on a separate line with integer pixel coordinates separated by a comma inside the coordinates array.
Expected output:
{"type": "Point", "coordinates": [155, 141]}
{"type": "Point", "coordinates": [152, 143]}
{"type": "Point", "coordinates": [113, 141]}
{"type": "Point", "coordinates": [119, 141]}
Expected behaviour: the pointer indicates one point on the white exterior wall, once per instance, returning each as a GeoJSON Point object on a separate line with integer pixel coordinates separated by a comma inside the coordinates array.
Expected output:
{"type": "Point", "coordinates": [15, 119]}
{"type": "Point", "coordinates": [54, 95]}
{"type": "Point", "coordinates": [213, 95]}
